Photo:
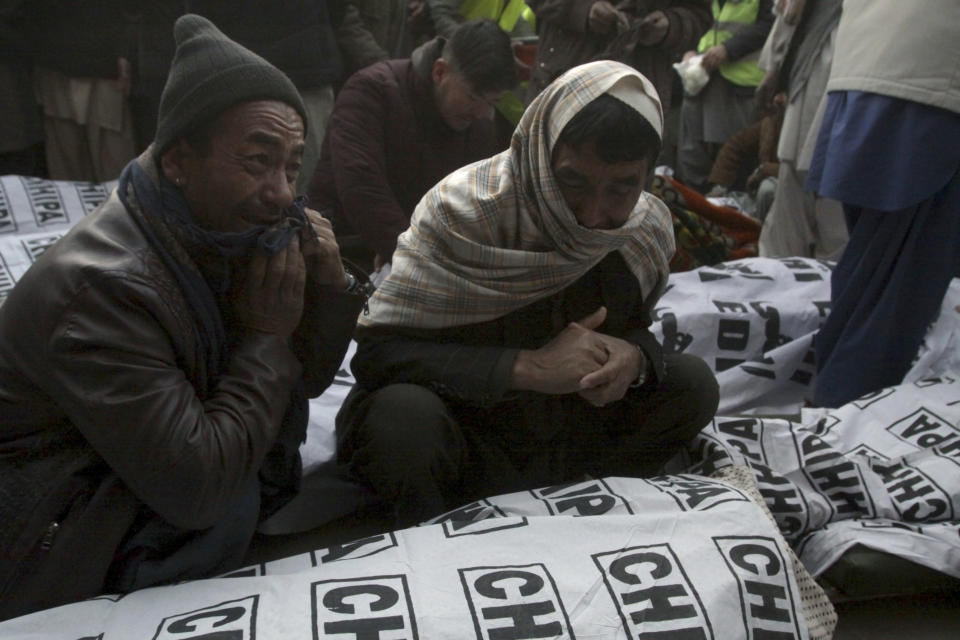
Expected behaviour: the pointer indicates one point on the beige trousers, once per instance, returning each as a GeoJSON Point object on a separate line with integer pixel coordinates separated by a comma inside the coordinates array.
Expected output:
{"type": "Point", "coordinates": [87, 126]}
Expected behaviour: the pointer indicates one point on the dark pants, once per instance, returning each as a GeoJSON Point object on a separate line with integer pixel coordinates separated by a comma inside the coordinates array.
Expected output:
{"type": "Point", "coordinates": [427, 456]}
{"type": "Point", "coordinates": [885, 291]}
{"type": "Point", "coordinates": [160, 553]}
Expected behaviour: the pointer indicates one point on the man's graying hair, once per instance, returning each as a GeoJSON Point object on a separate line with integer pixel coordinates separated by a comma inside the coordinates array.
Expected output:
{"type": "Point", "coordinates": [481, 52]}
{"type": "Point", "coordinates": [621, 134]}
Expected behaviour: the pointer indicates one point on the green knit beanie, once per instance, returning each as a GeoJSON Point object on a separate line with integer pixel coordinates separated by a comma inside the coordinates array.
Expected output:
{"type": "Point", "coordinates": [210, 73]}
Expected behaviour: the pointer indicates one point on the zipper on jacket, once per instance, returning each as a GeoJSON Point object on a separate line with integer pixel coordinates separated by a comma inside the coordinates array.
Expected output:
{"type": "Point", "coordinates": [366, 291]}
{"type": "Point", "coordinates": [46, 543]}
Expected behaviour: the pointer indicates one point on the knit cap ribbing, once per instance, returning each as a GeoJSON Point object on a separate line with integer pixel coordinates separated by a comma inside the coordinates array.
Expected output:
{"type": "Point", "coordinates": [211, 73]}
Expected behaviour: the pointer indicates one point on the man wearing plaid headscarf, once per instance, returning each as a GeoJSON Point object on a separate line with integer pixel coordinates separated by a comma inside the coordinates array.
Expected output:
{"type": "Point", "coordinates": [509, 348]}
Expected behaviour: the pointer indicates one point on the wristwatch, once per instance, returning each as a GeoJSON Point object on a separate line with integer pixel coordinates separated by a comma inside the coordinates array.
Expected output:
{"type": "Point", "coordinates": [353, 284]}
{"type": "Point", "coordinates": [642, 378]}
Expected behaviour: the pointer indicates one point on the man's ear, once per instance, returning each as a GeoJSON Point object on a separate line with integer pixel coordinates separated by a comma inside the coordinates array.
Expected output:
{"type": "Point", "coordinates": [440, 69]}
{"type": "Point", "coordinates": [174, 163]}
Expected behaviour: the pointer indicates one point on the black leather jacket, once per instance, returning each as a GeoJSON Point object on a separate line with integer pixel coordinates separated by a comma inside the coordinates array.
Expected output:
{"type": "Point", "coordinates": [100, 414]}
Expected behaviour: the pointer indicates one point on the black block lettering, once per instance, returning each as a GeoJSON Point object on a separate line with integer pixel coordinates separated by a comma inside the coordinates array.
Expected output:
{"type": "Point", "coordinates": [735, 307]}
{"type": "Point", "coordinates": [364, 628]}
{"type": "Point", "coordinates": [767, 563]}
{"type": "Point", "coordinates": [340, 551]}
{"type": "Point", "coordinates": [769, 595]}
{"type": "Point", "coordinates": [336, 599]}
{"type": "Point", "coordinates": [531, 583]}
{"type": "Point", "coordinates": [222, 617]}
{"type": "Point", "coordinates": [733, 335]}
{"type": "Point", "coordinates": [660, 608]}
{"type": "Point", "coordinates": [523, 617]}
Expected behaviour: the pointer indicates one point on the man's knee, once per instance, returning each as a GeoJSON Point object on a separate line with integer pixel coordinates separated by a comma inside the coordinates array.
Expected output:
{"type": "Point", "coordinates": [398, 433]}
{"type": "Point", "coordinates": [401, 419]}
{"type": "Point", "coordinates": [694, 382]}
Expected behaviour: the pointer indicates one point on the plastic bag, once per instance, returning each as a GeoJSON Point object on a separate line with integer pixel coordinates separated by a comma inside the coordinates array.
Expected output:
{"type": "Point", "coordinates": [692, 74]}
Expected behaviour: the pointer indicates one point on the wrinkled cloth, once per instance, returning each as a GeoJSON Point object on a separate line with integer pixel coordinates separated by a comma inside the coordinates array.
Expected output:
{"type": "Point", "coordinates": [497, 235]}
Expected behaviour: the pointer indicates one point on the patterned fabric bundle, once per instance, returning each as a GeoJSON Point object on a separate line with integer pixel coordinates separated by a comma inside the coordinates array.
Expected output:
{"type": "Point", "coordinates": [706, 234]}
{"type": "Point", "coordinates": [497, 235]}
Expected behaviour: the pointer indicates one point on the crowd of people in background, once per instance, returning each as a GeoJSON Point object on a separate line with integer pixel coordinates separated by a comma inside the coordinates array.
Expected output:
{"type": "Point", "coordinates": [82, 83]}
{"type": "Point", "coordinates": [83, 79]}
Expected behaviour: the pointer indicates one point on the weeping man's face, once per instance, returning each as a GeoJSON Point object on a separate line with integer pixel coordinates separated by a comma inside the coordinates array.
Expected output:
{"type": "Point", "coordinates": [244, 176]}
{"type": "Point", "coordinates": [600, 194]}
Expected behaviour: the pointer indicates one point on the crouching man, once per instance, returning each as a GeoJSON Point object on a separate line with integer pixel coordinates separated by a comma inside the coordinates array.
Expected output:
{"type": "Point", "coordinates": [509, 348]}
{"type": "Point", "coordinates": [155, 363]}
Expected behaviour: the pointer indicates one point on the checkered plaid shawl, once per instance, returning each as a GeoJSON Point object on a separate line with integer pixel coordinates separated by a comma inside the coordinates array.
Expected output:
{"type": "Point", "coordinates": [497, 235]}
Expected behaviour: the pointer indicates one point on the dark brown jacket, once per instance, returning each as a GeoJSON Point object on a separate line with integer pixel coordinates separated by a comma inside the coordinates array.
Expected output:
{"type": "Point", "coordinates": [754, 147]}
{"type": "Point", "coordinates": [385, 146]}
{"type": "Point", "coordinates": [565, 40]}
{"type": "Point", "coordinates": [101, 417]}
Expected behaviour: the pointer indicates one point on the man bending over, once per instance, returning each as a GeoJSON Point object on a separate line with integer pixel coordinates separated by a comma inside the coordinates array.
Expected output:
{"type": "Point", "coordinates": [509, 347]}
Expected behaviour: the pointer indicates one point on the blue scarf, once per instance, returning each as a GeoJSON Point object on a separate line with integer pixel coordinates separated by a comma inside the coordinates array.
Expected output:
{"type": "Point", "coordinates": [163, 215]}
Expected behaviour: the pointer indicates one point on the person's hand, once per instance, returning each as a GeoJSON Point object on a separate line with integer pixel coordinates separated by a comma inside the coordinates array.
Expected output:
{"type": "Point", "coordinates": [688, 55]}
{"type": "Point", "coordinates": [321, 251]}
{"type": "Point", "coordinates": [763, 171]}
{"type": "Point", "coordinates": [419, 21]}
{"type": "Point", "coordinates": [796, 8]}
{"type": "Point", "coordinates": [610, 382]}
{"type": "Point", "coordinates": [653, 28]}
{"type": "Point", "coordinates": [560, 365]}
{"type": "Point", "coordinates": [714, 57]}
{"type": "Point", "coordinates": [378, 262]}
{"type": "Point", "coordinates": [603, 17]}
{"type": "Point", "coordinates": [716, 191]}
{"type": "Point", "coordinates": [415, 9]}
{"type": "Point", "coordinates": [271, 297]}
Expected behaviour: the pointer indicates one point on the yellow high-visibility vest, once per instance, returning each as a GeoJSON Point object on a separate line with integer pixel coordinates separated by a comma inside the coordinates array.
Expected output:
{"type": "Point", "coordinates": [734, 13]}
{"type": "Point", "coordinates": [505, 12]}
